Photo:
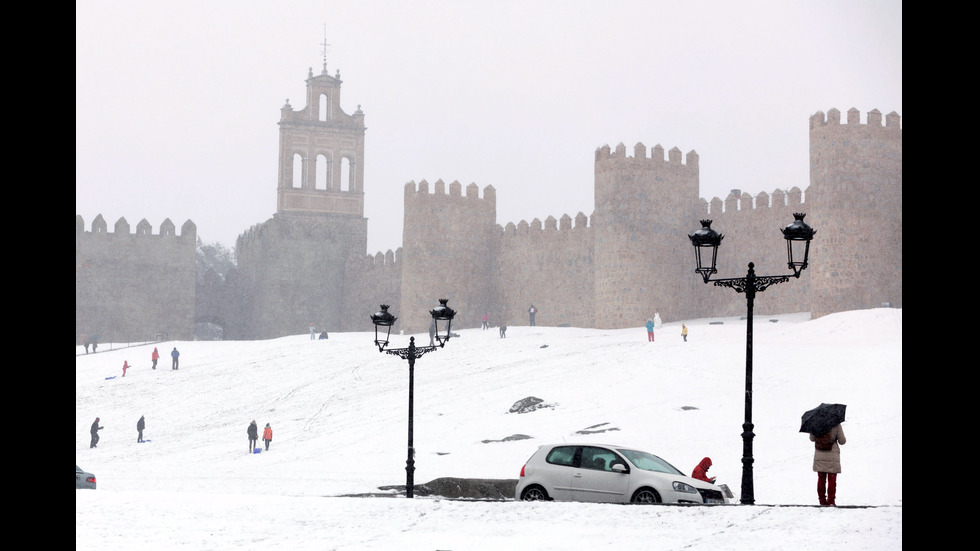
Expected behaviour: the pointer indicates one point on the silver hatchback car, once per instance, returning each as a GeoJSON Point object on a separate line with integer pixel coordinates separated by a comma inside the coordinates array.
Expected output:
{"type": "Point", "coordinates": [609, 474]}
{"type": "Point", "coordinates": [84, 480]}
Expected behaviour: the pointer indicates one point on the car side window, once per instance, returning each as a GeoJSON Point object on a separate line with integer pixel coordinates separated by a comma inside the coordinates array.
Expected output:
{"type": "Point", "coordinates": [599, 459]}
{"type": "Point", "coordinates": [562, 455]}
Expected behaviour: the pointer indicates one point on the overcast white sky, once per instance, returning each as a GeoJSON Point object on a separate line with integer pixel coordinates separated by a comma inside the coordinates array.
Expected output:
{"type": "Point", "coordinates": [177, 102]}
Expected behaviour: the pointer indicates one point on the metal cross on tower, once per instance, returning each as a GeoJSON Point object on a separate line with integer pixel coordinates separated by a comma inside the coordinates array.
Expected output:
{"type": "Point", "coordinates": [324, 44]}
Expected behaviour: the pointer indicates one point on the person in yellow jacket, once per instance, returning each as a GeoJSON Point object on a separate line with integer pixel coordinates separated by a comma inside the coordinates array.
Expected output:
{"type": "Point", "coordinates": [684, 332]}
{"type": "Point", "coordinates": [267, 436]}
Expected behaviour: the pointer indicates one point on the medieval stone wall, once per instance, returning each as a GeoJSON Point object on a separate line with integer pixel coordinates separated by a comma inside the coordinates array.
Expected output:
{"type": "Point", "coordinates": [449, 251]}
{"type": "Point", "coordinates": [295, 272]}
{"type": "Point", "coordinates": [645, 205]}
{"type": "Point", "coordinates": [856, 178]}
{"type": "Point", "coordinates": [134, 286]}
{"type": "Point", "coordinates": [371, 281]}
{"type": "Point", "coordinates": [551, 267]}
{"type": "Point", "coordinates": [630, 260]}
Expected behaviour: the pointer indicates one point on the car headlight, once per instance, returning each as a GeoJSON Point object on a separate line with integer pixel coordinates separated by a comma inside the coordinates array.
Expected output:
{"type": "Point", "coordinates": [686, 488]}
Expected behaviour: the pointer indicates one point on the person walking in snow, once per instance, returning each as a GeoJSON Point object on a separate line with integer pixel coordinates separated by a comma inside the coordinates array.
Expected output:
{"type": "Point", "coordinates": [530, 312]}
{"type": "Point", "coordinates": [826, 463]}
{"type": "Point", "coordinates": [155, 356]}
{"type": "Point", "coordinates": [486, 321]}
{"type": "Point", "coordinates": [701, 471]}
{"type": "Point", "coordinates": [684, 332]}
{"type": "Point", "coordinates": [174, 355]}
{"type": "Point", "coordinates": [503, 331]}
{"type": "Point", "coordinates": [125, 367]}
{"type": "Point", "coordinates": [649, 329]}
{"type": "Point", "coordinates": [253, 435]}
{"type": "Point", "coordinates": [312, 332]}
{"type": "Point", "coordinates": [267, 436]}
{"type": "Point", "coordinates": [95, 433]}
{"type": "Point", "coordinates": [140, 425]}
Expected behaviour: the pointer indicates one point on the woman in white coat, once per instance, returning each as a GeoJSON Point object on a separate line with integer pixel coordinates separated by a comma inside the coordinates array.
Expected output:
{"type": "Point", "coordinates": [826, 463]}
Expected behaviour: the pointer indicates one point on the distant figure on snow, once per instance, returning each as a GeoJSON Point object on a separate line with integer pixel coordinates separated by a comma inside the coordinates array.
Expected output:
{"type": "Point", "coordinates": [486, 321]}
{"type": "Point", "coordinates": [312, 332]}
{"type": "Point", "coordinates": [649, 329]}
{"type": "Point", "coordinates": [267, 436]}
{"type": "Point", "coordinates": [253, 435]}
{"type": "Point", "coordinates": [826, 463]}
{"type": "Point", "coordinates": [701, 471]}
{"type": "Point", "coordinates": [95, 433]}
{"type": "Point", "coordinates": [155, 356]}
{"type": "Point", "coordinates": [125, 367]}
{"type": "Point", "coordinates": [503, 331]}
{"type": "Point", "coordinates": [684, 332]}
{"type": "Point", "coordinates": [140, 425]}
{"type": "Point", "coordinates": [174, 355]}
{"type": "Point", "coordinates": [530, 312]}
{"type": "Point", "coordinates": [323, 336]}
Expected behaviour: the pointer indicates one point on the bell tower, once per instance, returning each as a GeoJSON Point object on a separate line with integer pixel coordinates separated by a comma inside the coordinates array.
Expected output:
{"type": "Point", "coordinates": [321, 153]}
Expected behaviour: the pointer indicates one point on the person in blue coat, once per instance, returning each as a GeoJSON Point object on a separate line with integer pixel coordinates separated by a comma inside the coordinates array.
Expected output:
{"type": "Point", "coordinates": [649, 329]}
{"type": "Point", "coordinates": [174, 355]}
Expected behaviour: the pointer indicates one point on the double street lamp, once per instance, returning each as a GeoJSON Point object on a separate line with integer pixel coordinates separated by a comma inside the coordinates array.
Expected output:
{"type": "Point", "coordinates": [706, 242]}
{"type": "Point", "coordinates": [442, 315]}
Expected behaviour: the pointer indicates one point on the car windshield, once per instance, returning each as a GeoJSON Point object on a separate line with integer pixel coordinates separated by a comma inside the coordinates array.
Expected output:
{"type": "Point", "coordinates": [649, 462]}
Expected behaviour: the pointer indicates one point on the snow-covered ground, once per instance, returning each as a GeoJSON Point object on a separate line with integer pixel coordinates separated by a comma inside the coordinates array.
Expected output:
{"type": "Point", "coordinates": [338, 409]}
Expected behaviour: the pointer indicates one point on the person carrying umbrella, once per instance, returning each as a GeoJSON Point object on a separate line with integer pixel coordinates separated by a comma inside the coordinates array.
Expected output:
{"type": "Point", "coordinates": [824, 425]}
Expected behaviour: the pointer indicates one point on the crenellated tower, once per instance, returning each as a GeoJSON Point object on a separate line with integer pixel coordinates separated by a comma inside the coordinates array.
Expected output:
{"type": "Point", "coordinates": [449, 251]}
{"type": "Point", "coordinates": [856, 189]}
{"type": "Point", "coordinates": [644, 207]}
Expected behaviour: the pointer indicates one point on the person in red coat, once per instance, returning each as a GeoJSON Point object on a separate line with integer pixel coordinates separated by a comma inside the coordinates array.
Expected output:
{"type": "Point", "coordinates": [125, 367]}
{"type": "Point", "coordinates": [155, 356]}
{"type": "Point", "coordinates": [267, 436]}
{"type": "Point", "coordinates": [701, 471]}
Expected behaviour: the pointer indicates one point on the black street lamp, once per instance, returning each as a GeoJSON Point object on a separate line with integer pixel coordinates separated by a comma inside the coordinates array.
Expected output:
{"type": "Point", "coordinates": [706, 241]}
{"type": "Point", "coordinates": [440, 314]}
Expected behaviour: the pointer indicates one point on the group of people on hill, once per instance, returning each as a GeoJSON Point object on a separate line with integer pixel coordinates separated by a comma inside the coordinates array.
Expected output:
{"type": "Point", "coordinates": [253, 436]}
{"type": "Point", "coordinates": [155, 357]}
{"type": "Point", "coordinates": [323, 334]}
{"type": "Point", "coordinates": [96, 427]}
{"type": "Point", "coordinates": [654, 321]}
{"type": "Point", "coordinates": [253, 433]}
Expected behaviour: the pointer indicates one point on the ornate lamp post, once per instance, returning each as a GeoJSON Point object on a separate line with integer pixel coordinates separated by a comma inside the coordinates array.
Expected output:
{"type": "Point", "coordinates": [441, 314]}
{"type": "Point", "coordinates": [706, 242]}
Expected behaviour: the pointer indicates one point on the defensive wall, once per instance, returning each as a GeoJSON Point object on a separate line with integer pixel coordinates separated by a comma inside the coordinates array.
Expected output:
{"type": "Point", "coordinates": [134, 286]}
{"type": "Point", "coordinates": [628, 260]}
{"type": "Point", "coordinates": [449, 251]}
{"type": "Point", "coordinates": [297, 272]}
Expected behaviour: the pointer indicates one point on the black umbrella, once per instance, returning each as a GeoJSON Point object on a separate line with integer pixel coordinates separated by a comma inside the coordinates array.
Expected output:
{"type": "Point", "coordinates": [822, 418]}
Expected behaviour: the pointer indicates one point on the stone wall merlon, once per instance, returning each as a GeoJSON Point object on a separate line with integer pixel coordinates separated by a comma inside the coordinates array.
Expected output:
{"type": "Point", "coordinates": [746, 202]}
{"type": "Point", "coordinates": [143, 228]}
{"type": "Point", "coordinates": [455, 190]}
{"type": "Point", "coordinates": [893, 120]}
{"type": "Point", "coordinates": [674, 156]}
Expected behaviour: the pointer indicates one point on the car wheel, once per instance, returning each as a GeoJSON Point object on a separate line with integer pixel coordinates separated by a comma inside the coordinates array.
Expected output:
{"type": "Point", "coordinates": [645, 495]}
{"type": "Point", "coordinates": [534, 493]}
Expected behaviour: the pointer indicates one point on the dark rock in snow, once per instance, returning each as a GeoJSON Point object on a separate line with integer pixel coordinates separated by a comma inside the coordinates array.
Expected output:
{"type": "Point", "coordinates": [528, 404]}
{"type": "Point", "coordinates": [464, 488]}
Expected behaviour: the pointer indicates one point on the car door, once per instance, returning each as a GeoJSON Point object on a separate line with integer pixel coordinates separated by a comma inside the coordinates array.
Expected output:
{"type": "Point", "coordinates": [594, 479]}
{"type": "Point", "coordinates": [556, 474]}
